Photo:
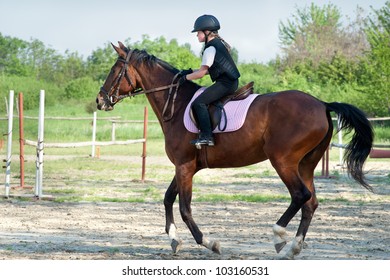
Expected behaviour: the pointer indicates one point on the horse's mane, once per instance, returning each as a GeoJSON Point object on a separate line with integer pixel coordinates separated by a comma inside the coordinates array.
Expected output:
{"type": "Point", "coordinates": [142, 56]}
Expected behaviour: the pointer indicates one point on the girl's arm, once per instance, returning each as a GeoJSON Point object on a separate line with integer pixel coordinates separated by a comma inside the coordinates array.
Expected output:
{"type": "Point", "coordinates": [197, 74]}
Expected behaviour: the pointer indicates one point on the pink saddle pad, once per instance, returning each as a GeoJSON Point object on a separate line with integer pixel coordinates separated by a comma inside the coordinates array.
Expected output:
{"type": "Point", "coordinates": [235, 113]}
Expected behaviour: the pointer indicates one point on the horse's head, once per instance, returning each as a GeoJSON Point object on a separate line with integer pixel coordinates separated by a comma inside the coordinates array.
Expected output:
{"type": "Point", "coordinates": [120, 82]}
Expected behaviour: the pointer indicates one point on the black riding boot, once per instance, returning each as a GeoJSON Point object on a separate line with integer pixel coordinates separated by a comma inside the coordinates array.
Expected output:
{"type": "Point", "coordinates": [203, 119]}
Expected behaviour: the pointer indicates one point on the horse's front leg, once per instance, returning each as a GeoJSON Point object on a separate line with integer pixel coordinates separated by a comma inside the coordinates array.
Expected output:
{"type": "Point", "coordinates": [184, 177]}
{"type": "Point", "coordinates": [170, 227]}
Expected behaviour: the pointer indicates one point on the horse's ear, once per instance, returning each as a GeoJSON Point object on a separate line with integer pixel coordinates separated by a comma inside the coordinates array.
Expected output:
{"type": "Point", "coordinates": [120, 52]}
{"type": "Point", "coordinates": [122, 46]}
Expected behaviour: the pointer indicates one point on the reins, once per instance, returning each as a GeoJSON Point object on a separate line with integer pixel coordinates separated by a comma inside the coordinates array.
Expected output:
{"type": "Point", "coordinates": [172, 87]}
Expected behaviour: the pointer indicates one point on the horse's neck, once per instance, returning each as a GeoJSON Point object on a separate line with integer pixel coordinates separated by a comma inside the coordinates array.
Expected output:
{"type": "Point", "coordinates": [158, 78]}
{"type": "Point", "coordinates": [153, 79]}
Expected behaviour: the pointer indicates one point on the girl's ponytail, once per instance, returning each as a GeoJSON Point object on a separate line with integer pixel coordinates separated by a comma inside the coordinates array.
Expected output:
{"type": "Point", "coordinates": [228, 47]}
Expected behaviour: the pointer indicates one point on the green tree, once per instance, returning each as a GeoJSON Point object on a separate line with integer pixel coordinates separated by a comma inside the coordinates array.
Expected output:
{"type": "Point", "coordinates": [346, 63]}
{"type": "Point", "coordinates": [179, 56]}
{"type": "Point", "coordinates": [42, 62]}
{"type": "Point", "coordinates": [11, 50]}
{"type": "Point", "coordinates": [375, 77]}
{"type": "Point", "coordinates": [101, 61]}
{"type": "Point", "coordinates": [264, 76]}
{"type": "Point", "coordinates": [316, 35]}
{"type": "Point", "coordinates": [33, 59]}
{"type": "Point", "coordinates": [70, 67]}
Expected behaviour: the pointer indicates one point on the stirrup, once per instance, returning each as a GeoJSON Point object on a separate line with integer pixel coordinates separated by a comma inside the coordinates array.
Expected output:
{"type": "Point", "coordinates": [209, 141]}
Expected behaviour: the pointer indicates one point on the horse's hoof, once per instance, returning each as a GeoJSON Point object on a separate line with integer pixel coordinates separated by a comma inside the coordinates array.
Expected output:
{"type": "Point", "coordinates": [285, 257]}
{"type": "Point", "coordinates": [176, 245]}
{"type": "Point", "coordinates": [216, 248]}
{"type": "Point", "coordinates": [280, 246]}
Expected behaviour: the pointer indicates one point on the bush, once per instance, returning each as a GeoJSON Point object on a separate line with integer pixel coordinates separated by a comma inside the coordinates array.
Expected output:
{"type": "Point", "coordinates": [81, 89]}
{"type": "Point", "coordinates": [30, 88]}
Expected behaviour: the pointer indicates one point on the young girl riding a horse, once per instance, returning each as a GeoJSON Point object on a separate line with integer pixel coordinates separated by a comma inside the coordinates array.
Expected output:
{"type": "Point", "coordinates": [291, 129]}
{"type": "Point", "coordinates": [218, 63]}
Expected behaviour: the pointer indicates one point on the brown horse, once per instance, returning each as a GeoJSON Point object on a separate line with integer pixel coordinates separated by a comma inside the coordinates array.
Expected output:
{"type": "Point", "coordinates": [292, 129]}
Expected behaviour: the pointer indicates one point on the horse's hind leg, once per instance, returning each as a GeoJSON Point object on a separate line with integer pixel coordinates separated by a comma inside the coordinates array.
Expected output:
{"type": "Point", "coordinates": [306, 170]}
{"type": "Point", "coordinates": [305, 178]}
{"type": "Point", "coordinates": [170, 227]}
{"type": "Point", "coordinates": [300, 194]}
{"type": "Point", "coordinates": [307, 214]}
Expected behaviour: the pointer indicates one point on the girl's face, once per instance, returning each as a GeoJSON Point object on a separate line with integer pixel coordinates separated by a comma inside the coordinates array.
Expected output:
{"type": "Point", "coordinates": [201, 36]}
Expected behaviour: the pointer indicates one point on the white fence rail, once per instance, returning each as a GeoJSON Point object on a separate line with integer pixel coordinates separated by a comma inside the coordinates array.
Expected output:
{"type": "Point", "coordinates": [85, 144]}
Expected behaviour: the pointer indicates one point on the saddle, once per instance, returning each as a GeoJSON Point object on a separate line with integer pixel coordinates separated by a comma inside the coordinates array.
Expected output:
{"type": "Point", "coordinates": [216, 109]}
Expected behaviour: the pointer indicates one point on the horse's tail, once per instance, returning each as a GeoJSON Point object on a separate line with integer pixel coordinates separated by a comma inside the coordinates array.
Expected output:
{"type": "Point", "coordinates": [361, 143]}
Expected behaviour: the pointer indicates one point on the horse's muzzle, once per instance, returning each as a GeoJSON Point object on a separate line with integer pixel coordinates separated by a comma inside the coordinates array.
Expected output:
{"type": "Point", "coordinates": [102, 105]}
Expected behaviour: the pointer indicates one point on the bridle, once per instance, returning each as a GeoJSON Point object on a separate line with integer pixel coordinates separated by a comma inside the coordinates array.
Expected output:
{"type": "Point", "coordinates": [112, 96]}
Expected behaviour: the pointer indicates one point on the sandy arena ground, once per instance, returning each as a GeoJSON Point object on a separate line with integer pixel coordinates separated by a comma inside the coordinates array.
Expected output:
{"type": "Point", "coordinates": [355, 227]}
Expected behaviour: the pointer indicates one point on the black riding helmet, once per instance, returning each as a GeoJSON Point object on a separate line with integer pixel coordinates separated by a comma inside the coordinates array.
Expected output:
{"type": "Point", "coordinates": [206, 22]}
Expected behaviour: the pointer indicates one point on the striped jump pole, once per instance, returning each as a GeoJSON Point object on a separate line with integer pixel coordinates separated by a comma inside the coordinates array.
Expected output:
{"type": "Point", "coordinates": [94, 133]}
{"type": "Point", "coordinates": [144, 144]}
{"type": "Point", "coordinates": [9, 144]}
{"type": "Point", "coordinates": [39, 161]}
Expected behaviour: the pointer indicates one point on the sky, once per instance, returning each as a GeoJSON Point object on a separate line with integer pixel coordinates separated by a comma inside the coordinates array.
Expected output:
{"type": "Point", "coordinates": [83, 26]}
